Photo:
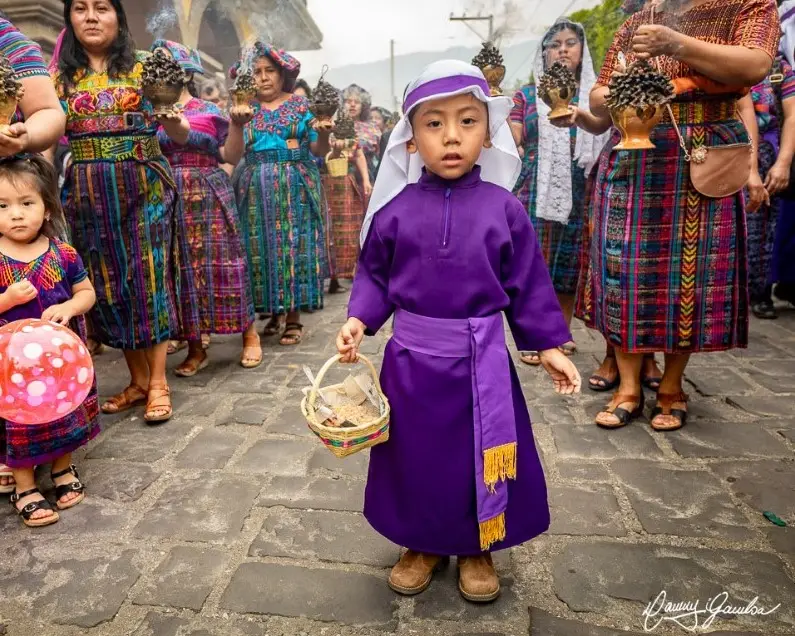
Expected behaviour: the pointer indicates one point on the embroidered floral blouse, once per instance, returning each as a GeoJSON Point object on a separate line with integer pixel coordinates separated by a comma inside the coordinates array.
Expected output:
{"type": "Point", "coordinates": [287, 127]}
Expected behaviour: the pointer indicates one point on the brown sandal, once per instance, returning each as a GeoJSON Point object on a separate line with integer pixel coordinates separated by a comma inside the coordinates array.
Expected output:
{"type": "Point", "coordinates": [664, 409]}
{"type": "Point", "coordinates": [623, 416]}
{"type": "Point", "coordinates": [159, 399]}
{"type": "Point", "coordinates": [131, 397]}
{"type": "Point", "coordinates": [272, 327]}
{"type": "Point", "coordinates": [293, 334]}
{"type": "Point", "coordinates": [249, 344]}
{"type": "Point", "coordinates": [191, 366]}
{"type": "Point", "coordinates": [176, 345]}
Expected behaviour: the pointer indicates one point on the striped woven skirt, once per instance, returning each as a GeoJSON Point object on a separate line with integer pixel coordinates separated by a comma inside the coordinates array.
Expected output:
{"type": "Point", "coordinates": [282, 211]}
{"type": "Point", "coordinates": [122, 216]}
{"type": "Point", "coordinates": [667, 266]}
{"type": "Point", "coordinates": [29, 445]}
{"type": "Point", "coordinates": [761, 232]}
{"type": "Point", "coordinates": [560, 243]}
{"type": "Point", "coordinates": [216, 260]}
{"type": "Point", "coordinates": [346, 214]}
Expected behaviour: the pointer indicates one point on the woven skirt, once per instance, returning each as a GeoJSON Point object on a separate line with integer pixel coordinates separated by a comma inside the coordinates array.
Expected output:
{"type": "Point", "coordinates": [122, 217]}
{"type": "Point", "coordinates": [282, 211]}
{"type": "Point", "coordinates": [29, 445]}
{"type": "Point", "coordinates": [761, 233]}
{"type": "Point", "coordinates": [667, 266]}
{"type": "Point", "coordinates": [216, 263]}
{"type": "Point", "coordinates": [346, 214]}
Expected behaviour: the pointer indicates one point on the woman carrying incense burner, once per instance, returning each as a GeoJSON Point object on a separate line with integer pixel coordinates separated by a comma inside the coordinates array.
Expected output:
{"type": "Point", "coordinates": [667, 264]}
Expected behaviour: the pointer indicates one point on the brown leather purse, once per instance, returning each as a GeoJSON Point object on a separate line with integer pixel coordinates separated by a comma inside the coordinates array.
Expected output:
{"type": "Point", "coordinates": [715, 171]}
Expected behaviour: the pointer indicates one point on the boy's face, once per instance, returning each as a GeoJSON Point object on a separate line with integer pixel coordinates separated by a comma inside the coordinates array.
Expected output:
{"type": "Point", "coordinates": [449, 134]}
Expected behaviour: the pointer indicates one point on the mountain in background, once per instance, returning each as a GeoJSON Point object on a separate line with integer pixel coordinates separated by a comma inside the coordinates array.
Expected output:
{"type": "Point", "coordinates": [374, 76]}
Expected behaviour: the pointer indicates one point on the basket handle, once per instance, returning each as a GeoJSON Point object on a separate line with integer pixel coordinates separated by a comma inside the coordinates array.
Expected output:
{"type": "Point", "coordinates": [330, 363]}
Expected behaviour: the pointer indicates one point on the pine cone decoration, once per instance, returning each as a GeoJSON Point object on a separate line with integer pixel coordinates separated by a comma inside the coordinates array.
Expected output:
{"type": "Point", "coordinates": [325, 100]}
{"type": "Point", "coordinates": [10, 87]}
{"type": "Point", "coordinates": [489, 56]}
{"type": "Point", "coordinates": [640, 87]}
{"type": "Point", "coordinates": [244, 84]}
{"type": "Point", "coordinates": [161, 69]}
{"type": "Point", "coordinates": [344, 127]}
{"type": "Point", "coordinates": [560, 78]}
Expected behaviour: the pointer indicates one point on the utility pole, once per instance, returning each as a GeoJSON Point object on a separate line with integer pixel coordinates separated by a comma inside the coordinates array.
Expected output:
{"type": "Point", "coordinates": [392, 74]}
{"type": "Point", "coordinates": [466, 19]}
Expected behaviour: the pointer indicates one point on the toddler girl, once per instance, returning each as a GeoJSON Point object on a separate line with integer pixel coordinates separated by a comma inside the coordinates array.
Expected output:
{"type": "Point", "coordinates": [41, 277]}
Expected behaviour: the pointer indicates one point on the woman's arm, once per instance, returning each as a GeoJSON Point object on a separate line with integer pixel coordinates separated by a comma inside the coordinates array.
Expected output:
{"type": "Point", "coordinates": [777, 178]}
{"type": "Point", "coordinates": [321, 146]}
{"type": "Point", "coordinates": [517, 130]}
{"type": "Point", "coordinates": [177, 127]}
{"type": "Point", "coordinates": [232, 151]}
{"type": "Point", "coordinates": [44, 123]}
{"type": "Point", "coordinates": [361, 164]}
{"type": "Point", "coordinates": [757, 194]}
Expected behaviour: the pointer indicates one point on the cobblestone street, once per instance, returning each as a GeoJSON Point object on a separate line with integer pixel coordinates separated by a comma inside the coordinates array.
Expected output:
{"type": "Point", "coordinates": [233, 520]}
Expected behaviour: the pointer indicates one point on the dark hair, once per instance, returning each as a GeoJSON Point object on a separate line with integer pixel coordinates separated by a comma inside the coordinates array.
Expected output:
{"type": "Point", "coordinates": [190, 84]}
{"type": "Point", "coordinates": [564, 24]}
{"type": "Point", "coordinates": [37, 170]}
{"type": "Point", "coordinates": [302, 83]}
{"type": "Point", "coordinates": [73, 58]}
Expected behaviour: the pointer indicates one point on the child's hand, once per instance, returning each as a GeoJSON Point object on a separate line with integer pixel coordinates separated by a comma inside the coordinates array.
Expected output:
{"type": "Point", "coordinates": [348, 340]}
{"type": "Point", "coordinates": [61, 314]}
{"type": "Point", "coordinates": [561, 369]}
{"type": "Point", "coordinates": [21, 293]}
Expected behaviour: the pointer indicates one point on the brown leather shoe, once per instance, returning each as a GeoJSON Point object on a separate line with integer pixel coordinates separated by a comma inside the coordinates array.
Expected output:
{"type": "Point", "coordinates": [413, 573]}
{"type": "Point", "coordinates": [477, 580]}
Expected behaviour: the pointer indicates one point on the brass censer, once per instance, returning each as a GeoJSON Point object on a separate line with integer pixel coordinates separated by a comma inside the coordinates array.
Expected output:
{"type": "Point", "coordinates": [489, 61]}
{"type": "Point", "coordinates": [11, 92]}
{"type": "Point", "coordinates": [163, 80]}
{"type": "Point", "coordinates": [556, 88]}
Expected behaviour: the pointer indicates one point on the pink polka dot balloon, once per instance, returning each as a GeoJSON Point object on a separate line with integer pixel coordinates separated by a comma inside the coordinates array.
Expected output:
{"type": "Point", "coordinates": [45, 371]}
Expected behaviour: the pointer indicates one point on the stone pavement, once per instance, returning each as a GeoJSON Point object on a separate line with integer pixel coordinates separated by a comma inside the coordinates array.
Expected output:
{"type": "Point", "coordinates": [233, 520]}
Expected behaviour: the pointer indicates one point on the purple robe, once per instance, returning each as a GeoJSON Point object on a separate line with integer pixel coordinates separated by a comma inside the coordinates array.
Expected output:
{"type": "Point", "coordinates": [451, 249]}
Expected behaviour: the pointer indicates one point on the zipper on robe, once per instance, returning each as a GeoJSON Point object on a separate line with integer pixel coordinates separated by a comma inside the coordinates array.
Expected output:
{"type": "Point", "coordinates": [446, 227]}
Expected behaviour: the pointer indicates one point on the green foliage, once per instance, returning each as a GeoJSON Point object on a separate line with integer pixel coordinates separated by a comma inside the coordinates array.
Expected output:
{"type": "Point", "coordinates": [601, 23]}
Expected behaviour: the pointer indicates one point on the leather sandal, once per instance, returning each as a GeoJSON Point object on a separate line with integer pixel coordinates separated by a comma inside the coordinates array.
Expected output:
{"type": "Point", "coordinates": [176, 345]}
{"type": "Point", "coordinates": [623, 416]}
{"type": "Point", "coordinates": [6, 472]}
{"type": "Point", "coordinates": [159, 399]}
{"type": "Point", "coordinates": [192, 366]}
{"type": "Point", "coordinates": [601, 384]}
{"type": "Point", "coordinates": [248, 361]}
{"type": "Point", "coordinates": [65, 489]}
{"type": "Point", "coordinates": [568, 349]}
{"type": "Point", "coordinates": [531, 358]}
{"type": "Point", "coordinates": [650, 382]}
{"type": "Point", "coordinates": [414, 572]}
{"type": "Point", "coordinates": [293, 334]}
{"type": "Point", "coordinates": [28, 510]}
{"type": "Point", "coordinates": [129, 398]}
{"type": "Point", "coordinates": [665, 402]}
{"type": "Point", "coordinates": [272, 327]}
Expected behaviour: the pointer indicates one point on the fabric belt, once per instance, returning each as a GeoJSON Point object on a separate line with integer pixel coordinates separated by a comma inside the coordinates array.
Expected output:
{"type": "Point", "coordinates": [706, 111]}
{"type": "Point", "coordinates": [115, 148]}
{"type": "Point", "coordinates": [281, 155]}
{"type": "Point", "coordinates": [192, 160]}
{"type": "Point", "coordinates": [483, 341]}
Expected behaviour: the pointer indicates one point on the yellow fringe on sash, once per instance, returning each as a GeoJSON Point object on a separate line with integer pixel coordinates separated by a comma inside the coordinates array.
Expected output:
{"type": "Point", "coordinates": [492, 531]}
{"type": "Point", "coordinates": [499, 464]}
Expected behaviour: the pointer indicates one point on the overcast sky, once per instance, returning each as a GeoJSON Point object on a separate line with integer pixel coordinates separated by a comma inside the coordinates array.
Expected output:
{"type": "Point", "coordinates": [415, 25]}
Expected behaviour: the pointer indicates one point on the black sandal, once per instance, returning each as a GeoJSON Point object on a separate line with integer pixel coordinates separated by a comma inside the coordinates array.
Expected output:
{"type": "Point", "coordinates": [623, 416]}
{"type": "Point", "coordinates": [664, 403]}
{"type": "Point", "coordinates": [34, 506]}
{"type": "Point", "coordinates": [764, 310]}
{"type": "Point", "coordinates": [290, 339]}
{"type": "Point", "coordinates": [651, 383]}
{"type": "Point", "coordinates": [606, 385]}
{"type": "Point", "coordinates": [74, 486]}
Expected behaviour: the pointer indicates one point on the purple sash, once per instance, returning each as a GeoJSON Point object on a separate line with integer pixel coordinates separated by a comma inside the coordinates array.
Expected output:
{"type": "Point", "coordinates": [483, 341]}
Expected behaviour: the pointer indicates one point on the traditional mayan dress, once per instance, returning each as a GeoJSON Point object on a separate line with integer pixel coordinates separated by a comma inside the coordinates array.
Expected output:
{"type": "Point", "coordinates": [560, 242]}
{"type": "Point", "coordinates": [282, 210]}
{"type": "Point", "coordinates": [762, 223]}
{"type": "Point", "coordinates": [475, 239]}
{"type": "Point", "coordinates": [121, 203]}
{"type": "Point", "coordinates": [346, 213]}
{"type": "Point", "coordinates": [668, 267]}
{"type": "Point", "coordinates": [53, 274]}
{"type": "Point", "coordinates": [368, 137]}
{"type": "Point", "coordinates": [217, 258]}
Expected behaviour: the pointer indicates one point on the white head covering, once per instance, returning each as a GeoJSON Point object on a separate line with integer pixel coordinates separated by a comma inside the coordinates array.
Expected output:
{"type": "Point", "coordinates": [499, 164]}
{"type": "Point", "coordinates": [786, 13]}
{"type": "Point", "coordinates": [553, 173]}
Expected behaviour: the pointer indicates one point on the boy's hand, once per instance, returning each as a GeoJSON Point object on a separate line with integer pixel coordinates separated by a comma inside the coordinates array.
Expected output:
{"type": "Point", "coordinates": [61, 314]}
{"type": "Point", "coordinates": [561, 369]}
{"type": "Point", "coordinates": [21, 293]}
{"type": "Point", "coordinates": [348, 340]}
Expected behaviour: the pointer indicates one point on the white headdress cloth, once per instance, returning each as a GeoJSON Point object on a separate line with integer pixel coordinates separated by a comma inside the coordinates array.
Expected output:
{"type": "Point", "coordinates": [786, 12]}
{"type": "Point", "coordinates": [553, 173]}
{"type": "Point", "coordinates": [499, 164]}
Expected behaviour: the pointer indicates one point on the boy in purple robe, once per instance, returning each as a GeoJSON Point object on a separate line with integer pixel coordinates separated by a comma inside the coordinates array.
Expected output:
{"type": "Point", "coordinates": [447, 249]}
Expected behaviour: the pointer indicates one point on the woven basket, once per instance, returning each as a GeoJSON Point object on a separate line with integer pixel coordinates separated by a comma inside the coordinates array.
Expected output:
{"type": "Point", "coordinates": [337, 167]}
{"type": "Point", "coordinates": [346, 441]}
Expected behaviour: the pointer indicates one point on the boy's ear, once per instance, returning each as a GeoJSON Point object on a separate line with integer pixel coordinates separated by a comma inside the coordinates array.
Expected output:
{"type": "Point", "coordinates": [411, 146]}
{"type": "Point", "coordinates": [487, 143]}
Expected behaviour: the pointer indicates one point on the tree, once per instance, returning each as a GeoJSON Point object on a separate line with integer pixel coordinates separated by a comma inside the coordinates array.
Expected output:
{"type": "Point", "coordinates": [600, 23]}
